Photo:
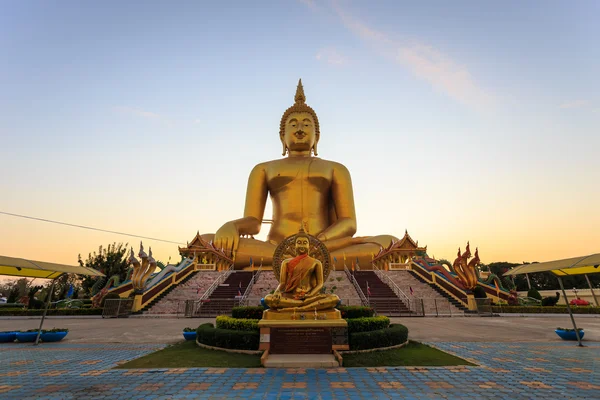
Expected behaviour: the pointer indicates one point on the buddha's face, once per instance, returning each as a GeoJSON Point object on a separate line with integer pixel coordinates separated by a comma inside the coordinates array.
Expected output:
{"type": "Point", "coordinates": [301, 245]}
{"type": "Point", "coordinates": [299, 132]}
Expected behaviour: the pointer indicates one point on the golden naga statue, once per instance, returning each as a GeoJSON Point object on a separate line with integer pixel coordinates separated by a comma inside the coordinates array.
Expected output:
{"type": "Point", "coordinates": [467, 273]}
{"type": "Point", "coordinates": [301, 279]}
{"type": "Point", "coordinates": [141, 272]}
{"type": "Point", "coordinates": [306, 191]}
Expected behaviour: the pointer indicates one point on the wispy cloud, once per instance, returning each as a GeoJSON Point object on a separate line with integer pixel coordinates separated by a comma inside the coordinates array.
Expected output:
{"type": "Point", "coordinates": [331, 56]}
{"type": "Point", "coordinates": [423, 60]}
{"type": "Point", "coordinates": [137, 112]}
{"type": "Point", "coordinates": [574, 104]}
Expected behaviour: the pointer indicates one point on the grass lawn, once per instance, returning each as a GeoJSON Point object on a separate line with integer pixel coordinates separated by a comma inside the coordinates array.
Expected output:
{"type": "Point", "coordinates": [414, 354]}
{"type": "Point", "coordinates": [188, 354]}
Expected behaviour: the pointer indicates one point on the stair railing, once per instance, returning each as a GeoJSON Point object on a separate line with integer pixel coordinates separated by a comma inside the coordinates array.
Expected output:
{"type": "Point", "coordinates": [363, 299]}
{"type": "Point", "coordinates": [194, 306]}
{"type": "Point", "coordinates": [244, 299]}
{"type": "Point", "coordinates": [395, 288]}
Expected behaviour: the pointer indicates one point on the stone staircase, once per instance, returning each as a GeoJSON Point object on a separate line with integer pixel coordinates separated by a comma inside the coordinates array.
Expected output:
{"type": "Point", "coordinates": [344, 289]}
{"type": "Point", "coordinates": [226, 295]}
{"type": "Point", "coordinates": [263, 286]}
{"type": "Point", "coordinates": [382, 297]}
{"type": "Point", "coordinates": [434, 303]}
{"type": "Point", "coordinates": [190, 289]}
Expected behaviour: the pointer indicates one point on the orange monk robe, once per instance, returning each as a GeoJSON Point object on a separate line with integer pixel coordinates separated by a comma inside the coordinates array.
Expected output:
{"type": "Point", "coordinates": [297, 268]}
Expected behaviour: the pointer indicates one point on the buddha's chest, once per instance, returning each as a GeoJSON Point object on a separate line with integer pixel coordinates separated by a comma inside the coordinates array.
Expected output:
{"type": "Point", "coordinates": [296, 175]}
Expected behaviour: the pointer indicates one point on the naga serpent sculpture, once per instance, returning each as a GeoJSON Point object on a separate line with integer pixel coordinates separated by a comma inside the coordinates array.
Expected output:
{"type": "Point", "coordinates": [143, 270]}
{"type": "Point", "coordinates": [466, 271]}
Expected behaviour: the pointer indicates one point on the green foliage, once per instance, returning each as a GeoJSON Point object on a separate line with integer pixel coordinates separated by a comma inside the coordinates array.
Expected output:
{"type": "Point", "coordinates": [394, 335]}
{"type": "Point", "coordinates": [534, 294]}
{"type": "Point", "coordinates": [237, 324]}
{"type": "Point", "coordinates": [54, 330]}
{"type": "Point", "coordinates": [339, 278]}
{"type": "Point", "coordinates": [189, 330]}
{"type": "Point", "coordinates": [479, 292]}
{"type": "Point", "coordinates": [250, 312]}
{"type": "Point", "coordinates": [569, 329]}
{"type": "Point", "coordinates": [107, 297]}
{"type": "Point", "coordinates": [110, 260]}
{"type": "Point", "coordinates": [356, 311]}
{"type": "Point", "coordinates": [551, 300]}
{"type": "Point", "coordinates": [366, 324]}
{"type": "Point", "coordinates": [13, 294]}
{"type": "Point", "coordinates": [560, 309]}
{"type": "Point", "coordinates": [243, 340]}
{"type": "Point", "coordinates": [65, 311]}
{"type": "Point", "coordinates": [12, 305]}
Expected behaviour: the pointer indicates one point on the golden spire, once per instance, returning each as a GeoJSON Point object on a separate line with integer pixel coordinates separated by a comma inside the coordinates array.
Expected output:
{"type": "Point", "coordinates": [300, 97]}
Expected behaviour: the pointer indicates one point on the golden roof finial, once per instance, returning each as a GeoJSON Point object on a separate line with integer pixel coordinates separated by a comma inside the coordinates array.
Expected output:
{"type": "Point", "coordinates": [300, 97]}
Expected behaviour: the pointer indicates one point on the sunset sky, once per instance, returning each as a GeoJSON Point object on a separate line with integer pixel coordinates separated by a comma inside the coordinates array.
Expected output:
{"type": "Point", "coordinates": [458, 121]}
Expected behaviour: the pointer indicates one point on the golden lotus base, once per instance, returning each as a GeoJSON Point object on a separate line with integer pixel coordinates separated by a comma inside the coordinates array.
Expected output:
{"type": "Point", "coordinates": [304, 316]}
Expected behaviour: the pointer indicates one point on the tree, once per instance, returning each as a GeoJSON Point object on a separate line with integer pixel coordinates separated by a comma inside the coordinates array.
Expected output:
{"type": "Point", "coordinates": [110, 260]}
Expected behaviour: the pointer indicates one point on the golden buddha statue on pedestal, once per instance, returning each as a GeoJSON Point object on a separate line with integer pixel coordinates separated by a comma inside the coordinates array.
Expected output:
{"type": "Point", "coordinates": [306, 191]}
{"type": "Point", "coordinates": [301, 279]}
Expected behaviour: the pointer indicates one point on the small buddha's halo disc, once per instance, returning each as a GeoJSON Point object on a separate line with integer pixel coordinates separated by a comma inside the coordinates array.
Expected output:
{"type": "Point", "coordinates": [287, 249]}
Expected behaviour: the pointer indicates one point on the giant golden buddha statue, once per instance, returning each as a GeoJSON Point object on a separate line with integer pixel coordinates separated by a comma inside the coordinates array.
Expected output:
{"type": "Point", "coordinates": [306, 191]}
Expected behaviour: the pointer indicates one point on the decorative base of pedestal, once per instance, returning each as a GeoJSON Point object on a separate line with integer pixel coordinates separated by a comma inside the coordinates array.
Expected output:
{"type": "Point", "coordinates": [291, 338]}
{"type": "Point", "coordinates": [324, 315]}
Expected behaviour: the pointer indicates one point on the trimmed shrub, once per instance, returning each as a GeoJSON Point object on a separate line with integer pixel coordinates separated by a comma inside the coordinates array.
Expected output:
{"type": "Point", "coordinates": [479, 292]}
{"type": "Point", "coordinates": [367, 324]}
{"type": "Point", "coordinates": [12, 305]}
{"type": "Point", "coordinates": [534, 294]}
{"type": "Point", "coordinates": [237, 324]}
{"type": "Point", "coordinates": [356, 311]}
{"type": "Point", "coordinates": [250, 312]}
{"type": "Point", "coordinates": [394, 335]}
{"type": "Point", "coordinates": [63, 311]}
{"type": "Point", "coordinates": [242, 340]}
{"type": "Point", "coordinates": [551, 300]}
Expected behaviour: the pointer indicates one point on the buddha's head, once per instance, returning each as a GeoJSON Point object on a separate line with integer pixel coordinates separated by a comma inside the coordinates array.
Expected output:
{"type": "Point", "coordinates": [299, 127]}
{"type": "Point", "coordinates": [302, 244]}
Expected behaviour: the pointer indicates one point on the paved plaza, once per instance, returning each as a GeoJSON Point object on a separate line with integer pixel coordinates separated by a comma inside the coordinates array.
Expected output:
{"type": "Point", "coordinates": [443, 329]}
{"type": "Point", "coordinates": [504, 371]}
{"type": "Point", "coordinates": [541, 368]}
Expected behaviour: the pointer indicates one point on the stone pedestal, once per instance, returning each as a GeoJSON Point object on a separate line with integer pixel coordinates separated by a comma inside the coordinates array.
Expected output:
{"type": "Point", "coordinates": [287, 338]}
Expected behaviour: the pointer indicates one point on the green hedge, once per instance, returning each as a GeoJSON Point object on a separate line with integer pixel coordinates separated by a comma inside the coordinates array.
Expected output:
{"type": "Point", "coordinates": [394, 335]}
{"type": "Point", "coordinates": [250, 312]}
{"type": "Point", "coordinates": [545, 310]}
{"type": "Point", "coordinates": [237, 324]}
{"type": "Point", "coordinates": [242, 340]}
{"type": "Point", "coordinates": [367, 324]}
{"type": "Point", "coordinates": [356, 311]}
{"type": "Point", "coordinates": [64, 311]}
{"type": "Point", "coordinates": [11, 305]}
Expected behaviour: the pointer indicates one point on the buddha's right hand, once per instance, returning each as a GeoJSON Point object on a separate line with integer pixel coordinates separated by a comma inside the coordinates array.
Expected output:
{"type": "Point", "coordinates": [227, 237]}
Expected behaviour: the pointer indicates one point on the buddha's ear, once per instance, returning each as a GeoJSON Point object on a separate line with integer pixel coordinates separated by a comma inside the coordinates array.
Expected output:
{"type": "Point", "coordinates": [284, 148]}
{"type": "Point", "coordinates": [315, 149]}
